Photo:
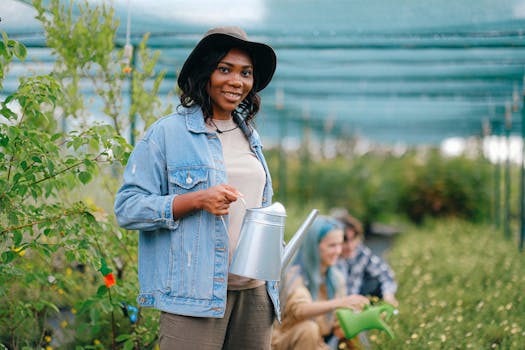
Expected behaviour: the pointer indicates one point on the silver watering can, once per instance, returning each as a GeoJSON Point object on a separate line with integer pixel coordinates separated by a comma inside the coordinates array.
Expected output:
{"type": "Point", "coordinates": [259, 252]}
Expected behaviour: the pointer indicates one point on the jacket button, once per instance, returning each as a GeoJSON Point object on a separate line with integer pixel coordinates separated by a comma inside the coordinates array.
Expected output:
{"type": "Point", "coordinates": [189, 180]}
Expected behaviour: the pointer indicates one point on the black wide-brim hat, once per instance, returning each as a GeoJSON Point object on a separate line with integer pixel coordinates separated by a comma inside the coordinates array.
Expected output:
{"type": "Point", "coordinates": [263, 56]}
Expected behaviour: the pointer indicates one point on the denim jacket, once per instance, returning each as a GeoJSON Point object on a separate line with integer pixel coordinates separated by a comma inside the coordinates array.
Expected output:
{"type": "Point", "coordinates": [183, 263]}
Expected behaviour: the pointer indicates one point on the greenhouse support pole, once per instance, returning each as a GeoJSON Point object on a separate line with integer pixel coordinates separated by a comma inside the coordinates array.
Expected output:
{"type": "Point", "coordinates": [522, 172]}
{"type": "Point", "coordinates": [508, 127]}
{"type": "Point", "coordinates": [485, 133]}
{"type": "Point", "coordinates": [497, 181]}
{"type": "Point", "coordinates": [132, 116]}
{"type": "Point", "coordinates": [281, 120]}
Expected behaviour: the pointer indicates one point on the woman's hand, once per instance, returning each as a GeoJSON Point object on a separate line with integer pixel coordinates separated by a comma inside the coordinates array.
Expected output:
{"type": "Point", "coordinates": [391, 299]}
{"type": "Point", "coordinates": [354, 301]}
{"type": "Point", "coordinates": [217, 199]}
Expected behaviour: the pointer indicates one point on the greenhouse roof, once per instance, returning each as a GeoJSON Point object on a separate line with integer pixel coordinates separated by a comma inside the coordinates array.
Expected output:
{"type": "Point", "coordinates": [406, 71]}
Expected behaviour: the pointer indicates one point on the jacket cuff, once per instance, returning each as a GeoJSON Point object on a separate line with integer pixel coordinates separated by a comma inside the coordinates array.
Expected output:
{"type": "Point", "coordinates": [167, 213]}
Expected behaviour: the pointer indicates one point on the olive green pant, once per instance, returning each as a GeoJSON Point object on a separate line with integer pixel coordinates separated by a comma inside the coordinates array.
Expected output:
{"type": "Point", "coordinates": [247, 324]}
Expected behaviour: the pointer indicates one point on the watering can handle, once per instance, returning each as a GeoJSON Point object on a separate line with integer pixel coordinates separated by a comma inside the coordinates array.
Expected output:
{"type": "Point", "coordinates": [222, 217]}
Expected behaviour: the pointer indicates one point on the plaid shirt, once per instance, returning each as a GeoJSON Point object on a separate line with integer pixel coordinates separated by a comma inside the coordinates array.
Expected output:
{"type": "Point", "coordinates": [363, 268]}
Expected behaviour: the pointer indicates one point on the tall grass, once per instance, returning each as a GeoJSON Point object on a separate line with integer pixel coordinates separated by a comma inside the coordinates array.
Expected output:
{"type": "Point", "coordinates": [461, 287]}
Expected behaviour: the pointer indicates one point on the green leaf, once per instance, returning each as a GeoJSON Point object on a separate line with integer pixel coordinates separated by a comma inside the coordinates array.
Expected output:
{"type": "Point", "coordinates": [70, 256]}
{"type": "Point", "coordinates": [122, 337]}
{"type": "Point", "coordinates": [9, 256]}
{"type": "Point", "coordinates": [20, 51]}
{"type": "Point", "coordinates": [101, 291]}
{"type": "Point", "coordinates": [129, 345]}
{"type": "Point", "coordinates": [17, 238]}
{"type": "Point", "coordinates": [55, 137]}
{"type": "Point", "coordinates": [22, 190]}
{"type": "Point", "coordinates": [3, 50]}
{"type": "Point", "coordinates": [84, 177]}
{"type": "Point", "coordinates": [104, 269]}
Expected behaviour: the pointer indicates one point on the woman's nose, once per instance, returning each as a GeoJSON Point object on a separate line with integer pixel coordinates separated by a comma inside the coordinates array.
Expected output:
{"type": "Point", "coordinates": [236, 82]}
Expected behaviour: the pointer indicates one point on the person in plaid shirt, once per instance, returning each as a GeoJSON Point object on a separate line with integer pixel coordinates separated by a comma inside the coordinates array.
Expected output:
{"type": "Point", "coordinates": [366, 273]}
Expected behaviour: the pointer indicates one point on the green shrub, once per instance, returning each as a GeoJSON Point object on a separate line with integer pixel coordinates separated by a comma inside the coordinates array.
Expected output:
{"type": "Point", "coordinates": [447, 187]}
{"type": "Point", "coordinates": [379, 186]}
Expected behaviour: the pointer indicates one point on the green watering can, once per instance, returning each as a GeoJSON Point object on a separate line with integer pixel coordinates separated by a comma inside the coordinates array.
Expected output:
{"type": "Point", "coordinates": [354, 323]}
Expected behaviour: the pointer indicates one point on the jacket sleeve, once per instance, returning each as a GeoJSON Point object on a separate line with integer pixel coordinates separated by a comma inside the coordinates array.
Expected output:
{"type": "Point", "coordinates": [143, 202]}
{"type": "Point", "coordinates": [380, 269]}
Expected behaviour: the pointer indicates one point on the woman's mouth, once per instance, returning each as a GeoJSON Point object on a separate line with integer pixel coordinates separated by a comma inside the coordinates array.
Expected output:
{"type": "Point", "coordinates": [233, 96]}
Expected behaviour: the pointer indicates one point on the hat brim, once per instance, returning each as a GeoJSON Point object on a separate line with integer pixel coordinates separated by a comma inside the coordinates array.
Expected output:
{"type": "Point", "coordinates": [264, 59]}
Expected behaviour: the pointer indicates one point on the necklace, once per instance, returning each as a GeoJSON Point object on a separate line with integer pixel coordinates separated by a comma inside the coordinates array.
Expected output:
{"type": "Point", "coordinates": [222, 131]}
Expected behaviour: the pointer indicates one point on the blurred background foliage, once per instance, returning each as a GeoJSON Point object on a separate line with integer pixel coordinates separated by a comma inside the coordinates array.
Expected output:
{"type": "Point", "coordinates": [383, 187]}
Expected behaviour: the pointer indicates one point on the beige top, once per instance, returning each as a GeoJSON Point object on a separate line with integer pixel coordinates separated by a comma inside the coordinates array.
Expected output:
{"type": "Point", "coordinates": [297, 295]}
{"type": "Point", "coordinates": [246, 174]}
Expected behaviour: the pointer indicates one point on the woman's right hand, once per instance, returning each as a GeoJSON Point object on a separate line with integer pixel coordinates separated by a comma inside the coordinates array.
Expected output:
{"type": "Point", "coordinates": [354, 301]}
{"type": "Point", "coordinates": [217, 199]}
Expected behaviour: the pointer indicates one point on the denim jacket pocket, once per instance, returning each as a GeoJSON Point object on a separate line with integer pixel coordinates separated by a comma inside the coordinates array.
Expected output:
{"type": "Point", "coordinates": [184, 180]}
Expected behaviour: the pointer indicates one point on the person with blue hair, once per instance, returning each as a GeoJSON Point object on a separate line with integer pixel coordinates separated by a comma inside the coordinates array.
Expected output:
{"type": "Point", "coordinates": [312, 290]}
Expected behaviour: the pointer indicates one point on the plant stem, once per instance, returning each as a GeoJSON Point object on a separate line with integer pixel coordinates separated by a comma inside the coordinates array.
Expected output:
{"type": "Point", "coordinates": [54, 218]}
{"type": "Point", "coordinates": [113, 330]}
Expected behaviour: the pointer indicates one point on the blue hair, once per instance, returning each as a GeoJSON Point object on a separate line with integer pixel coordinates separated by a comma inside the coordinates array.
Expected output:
{"type": "Point", "coordinates": [309, 260]}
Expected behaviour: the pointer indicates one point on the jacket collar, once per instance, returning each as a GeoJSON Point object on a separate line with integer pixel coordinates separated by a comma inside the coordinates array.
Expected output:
{"type": "Point", "coordinates": [195, 123]}
{"type": "Point", "coordinates": [195, 120]}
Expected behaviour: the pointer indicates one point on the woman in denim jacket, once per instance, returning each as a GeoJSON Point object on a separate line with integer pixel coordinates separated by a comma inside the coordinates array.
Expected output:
{"type": "Point", "coordinates": [186, 187]}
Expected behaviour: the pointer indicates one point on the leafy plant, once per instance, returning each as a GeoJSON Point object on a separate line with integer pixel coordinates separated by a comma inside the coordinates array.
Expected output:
{"type": "Point", "coordinates": [447, 187]}
{"type": "Point", "coordinates": [53, 235]}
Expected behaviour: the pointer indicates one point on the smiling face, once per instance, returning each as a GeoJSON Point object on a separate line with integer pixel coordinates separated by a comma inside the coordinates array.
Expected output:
{"type": "Point", "coordinates": [230, 83]}
{"type": "Point", "coordinates": [352, 241]}
{"type": "Point", "coordinates": [330, 248]}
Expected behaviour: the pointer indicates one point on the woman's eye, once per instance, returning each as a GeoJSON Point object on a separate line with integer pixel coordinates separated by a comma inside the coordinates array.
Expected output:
{"type": "Point", "coordinates": [247, 73]}
{"type": "Point", "coordinates": [223, 69]}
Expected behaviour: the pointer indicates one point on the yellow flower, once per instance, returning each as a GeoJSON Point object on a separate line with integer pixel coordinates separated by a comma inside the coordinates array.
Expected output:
{"type": "Point", "coordinates": [47, 338]}
{"type": "Point", "coordinates": [96, 342]}
{"type": "Point", "coordinates": [69, 271]}
{"type": "Point", "coordinates": [63, 324]}
{"type": "Point", "coordinates": [74, 311]}
{"type": "Point", "coordinates": [49, 348]}
{"type": "Point", "coordinates": [20, 250]}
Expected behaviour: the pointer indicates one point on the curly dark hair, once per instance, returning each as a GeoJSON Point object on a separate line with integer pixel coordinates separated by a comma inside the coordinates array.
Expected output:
{"type": "Point", "coordinates": [194, 88]}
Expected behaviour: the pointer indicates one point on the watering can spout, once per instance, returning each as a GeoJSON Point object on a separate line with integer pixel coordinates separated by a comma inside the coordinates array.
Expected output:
{"type": "Point", "coordinates": [294, 244]}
